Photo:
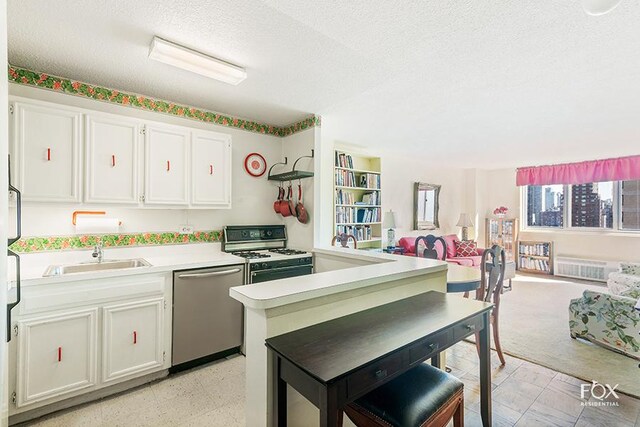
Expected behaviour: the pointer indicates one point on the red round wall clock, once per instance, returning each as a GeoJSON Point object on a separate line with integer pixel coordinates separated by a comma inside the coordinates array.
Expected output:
{"type": "Point", "coordinates": [255, 164]}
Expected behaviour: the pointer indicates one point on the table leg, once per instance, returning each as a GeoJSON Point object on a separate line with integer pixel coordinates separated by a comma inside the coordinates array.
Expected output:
{"type": "Point", "coordinates": [330, 413]}
{"type": "Point", "coordinates": [279, 403]}
{"type": "Point", "coordinates": [485, 372]}
{"type": "Point", "coordinates": [436, 361]}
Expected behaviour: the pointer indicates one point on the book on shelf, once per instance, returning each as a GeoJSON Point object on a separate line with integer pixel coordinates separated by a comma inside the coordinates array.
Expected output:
{"type": "Point", "coordinates": [345, 178]}
{"type": "Point", "coordinates": [344, 197]}
{"type": "Point", "coordinates": [357, 215]}
{"type": "Point", "coordinates": [536, 249]}
{"type": "Point", "coordinates": [370, 180]}
{"type": "Point", "coordinates": [372, 198]}
{"type": "Point", "coordinates": [343, 160]}
{"type": "Point", "coordinates": [534, 264]}
{"type": "Point", "coordinates": [360, 232]}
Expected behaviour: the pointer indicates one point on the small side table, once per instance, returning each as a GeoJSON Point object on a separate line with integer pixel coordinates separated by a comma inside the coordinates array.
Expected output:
{"type": "Point", "coordinates": [398, 250]}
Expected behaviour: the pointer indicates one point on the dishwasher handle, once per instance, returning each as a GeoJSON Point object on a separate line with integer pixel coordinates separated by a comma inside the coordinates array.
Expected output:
{"type": "Point", "coordinates": [209, 274]}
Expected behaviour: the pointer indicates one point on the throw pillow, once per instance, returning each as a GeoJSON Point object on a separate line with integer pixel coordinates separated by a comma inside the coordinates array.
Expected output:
{"type": "Point", "coordinates": [451, 240]}
{"type": "Point", "coordinates": [466, 248]}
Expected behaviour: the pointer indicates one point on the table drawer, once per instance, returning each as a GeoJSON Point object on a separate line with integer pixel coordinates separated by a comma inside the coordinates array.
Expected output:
{"type": "Point", "coordinates": [466, 328]}
{"type": "Point", "coordinates": [366, 378]}
{"type": "Point", "coordinates": [427, 348]}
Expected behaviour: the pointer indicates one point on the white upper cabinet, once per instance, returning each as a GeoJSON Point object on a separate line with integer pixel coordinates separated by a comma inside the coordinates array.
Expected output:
{"type": "Point", "coordinates": [127, 161]}
{"type": "Point", "coordinates": [166, 165]}
{"type": "Point", "coordinates": [112, 145]}
{"type": "Point", "coordinates": [211, 169]}
{"type": "Point", "coordinates": [46, 146]}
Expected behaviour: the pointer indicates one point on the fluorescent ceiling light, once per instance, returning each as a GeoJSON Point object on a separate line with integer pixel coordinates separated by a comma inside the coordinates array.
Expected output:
{"type": "Point", "coordinates": [196, 62]}
{"type": "Point", "coordinates": [599, 7]}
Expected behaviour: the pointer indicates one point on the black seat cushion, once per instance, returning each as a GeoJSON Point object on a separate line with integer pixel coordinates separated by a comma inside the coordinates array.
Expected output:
{"type": "Point", "coordinates": [413, 397]}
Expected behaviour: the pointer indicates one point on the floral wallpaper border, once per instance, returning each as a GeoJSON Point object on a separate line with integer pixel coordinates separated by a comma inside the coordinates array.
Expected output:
{"type": "Point", "coordinates": [58, 243]}
{"type": "Point", "coordinates": [27, 77]}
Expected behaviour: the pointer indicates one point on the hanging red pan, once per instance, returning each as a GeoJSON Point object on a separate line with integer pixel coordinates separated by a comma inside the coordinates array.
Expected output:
{"type": "Point", "coordinates": [286, 207]}
{"type": "Point", "coordinates": [278, 202]}
{"type": "Point", "coordinates": [301, 211]}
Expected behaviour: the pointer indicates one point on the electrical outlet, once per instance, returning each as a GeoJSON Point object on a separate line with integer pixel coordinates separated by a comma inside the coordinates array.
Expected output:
{"type": "Point", "coordinates": [185, 229]}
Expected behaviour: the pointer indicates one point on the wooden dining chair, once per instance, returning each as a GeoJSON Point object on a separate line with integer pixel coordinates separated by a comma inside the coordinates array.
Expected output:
{"type": "Point", "coordinates": [343, 239]}
{"type": "Point", "coordinates": [492, 276]}
{"type": "Point", "coordinates": [434, 247]}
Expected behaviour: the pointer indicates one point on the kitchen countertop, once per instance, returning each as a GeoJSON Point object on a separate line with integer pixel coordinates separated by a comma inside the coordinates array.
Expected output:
{"type": "Point", "coordinates": [384, 268]}
{"type": "Point", "coordinates": [163, 259]}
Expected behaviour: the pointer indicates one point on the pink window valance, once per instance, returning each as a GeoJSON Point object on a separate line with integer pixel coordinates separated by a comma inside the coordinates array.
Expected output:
{"type": "Point", "coordinates": [619, 169]}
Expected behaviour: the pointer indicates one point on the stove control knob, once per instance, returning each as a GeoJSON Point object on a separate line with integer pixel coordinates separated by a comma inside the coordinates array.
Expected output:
{"type": "Point", "coordinates": [264, 265]}
{"type": "Point", "coordinates": [269, 233]}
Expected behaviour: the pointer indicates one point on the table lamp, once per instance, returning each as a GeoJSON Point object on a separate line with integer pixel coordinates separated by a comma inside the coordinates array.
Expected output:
{"type": "Point", "coordinates": [389, 222]}
{"type": "Point", "coordinates": [465, 222]}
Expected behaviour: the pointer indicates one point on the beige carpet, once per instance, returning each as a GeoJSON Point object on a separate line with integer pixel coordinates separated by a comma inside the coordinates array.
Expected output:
{"type": "Point", "coordinates": [535, 326]}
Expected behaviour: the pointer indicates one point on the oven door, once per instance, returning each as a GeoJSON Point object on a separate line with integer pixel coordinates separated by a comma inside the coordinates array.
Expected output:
{"type": "Point", "coordinates": [279, 273]}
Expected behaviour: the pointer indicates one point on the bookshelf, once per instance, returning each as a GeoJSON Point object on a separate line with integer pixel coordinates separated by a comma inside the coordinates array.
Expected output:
{"type": "Point", "coordinates": [504, 233]}
{"type": "Point", "coordinates": [535, 256]}
{"type": "Point", "coordinates": [357, 197]}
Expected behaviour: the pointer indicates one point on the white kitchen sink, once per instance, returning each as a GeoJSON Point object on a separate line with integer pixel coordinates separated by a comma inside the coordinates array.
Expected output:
{"type": "Point", "coordinates": [90, 267]}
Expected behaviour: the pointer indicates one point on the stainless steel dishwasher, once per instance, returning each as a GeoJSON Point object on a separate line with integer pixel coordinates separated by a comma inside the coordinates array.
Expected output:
{"type": "Point", "coordinates": [207, 322]}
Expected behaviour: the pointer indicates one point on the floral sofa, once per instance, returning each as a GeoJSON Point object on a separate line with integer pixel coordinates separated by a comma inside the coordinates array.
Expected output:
{"type": "Point", "coordinates": [610, 319]}
{"type": "Point", "coordinates": [409, 245]}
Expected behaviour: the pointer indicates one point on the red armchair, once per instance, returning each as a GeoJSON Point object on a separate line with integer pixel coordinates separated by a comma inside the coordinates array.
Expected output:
{"type": "Point", "coordinates": [408, 243]}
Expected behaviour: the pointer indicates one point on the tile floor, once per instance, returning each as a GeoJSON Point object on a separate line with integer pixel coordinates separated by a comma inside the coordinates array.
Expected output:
{"type": "Point", "coordinates": [524, 394]}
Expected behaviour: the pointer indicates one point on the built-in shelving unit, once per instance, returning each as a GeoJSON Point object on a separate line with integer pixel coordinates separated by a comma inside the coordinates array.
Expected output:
{"type": "Point", "coordinates": [535, 257]}
{"type": "Point", "coordinates": [358, 198]}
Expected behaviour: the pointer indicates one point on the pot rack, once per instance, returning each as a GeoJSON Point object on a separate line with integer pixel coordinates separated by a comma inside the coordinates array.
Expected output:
{"type": "Point", "coordinates": [293, 174]}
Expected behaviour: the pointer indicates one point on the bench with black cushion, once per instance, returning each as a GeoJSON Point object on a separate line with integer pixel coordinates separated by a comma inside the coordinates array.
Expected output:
{"type": "Point", "coordinates": [424, 396]}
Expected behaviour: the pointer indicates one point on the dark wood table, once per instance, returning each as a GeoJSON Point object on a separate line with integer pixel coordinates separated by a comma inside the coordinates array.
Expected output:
{"type": "Point", "coordinates": [336, 362]}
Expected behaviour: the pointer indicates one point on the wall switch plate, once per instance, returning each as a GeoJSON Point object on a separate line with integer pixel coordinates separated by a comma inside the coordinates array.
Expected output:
{"type": "Point", "coordinates": [185, 229]}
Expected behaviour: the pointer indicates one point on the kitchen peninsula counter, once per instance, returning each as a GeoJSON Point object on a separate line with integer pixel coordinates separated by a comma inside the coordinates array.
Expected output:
{"type": "Point", "coordinates": [346, 281]}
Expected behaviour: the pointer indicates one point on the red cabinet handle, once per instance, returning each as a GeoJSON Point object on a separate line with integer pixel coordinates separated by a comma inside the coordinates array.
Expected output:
{"type": "Point", "coordinates": [59, 354]}
{"type": "Point", "coordinates": [135, 337]}
{"type": "Point", "coordinates": [168, 165]}
{"type": "Point", "coordinates": [48, 154]}
{"type": "Point", "coordinates": [210, 169]}
{"type": "Point", "coordinates": [113, 160]}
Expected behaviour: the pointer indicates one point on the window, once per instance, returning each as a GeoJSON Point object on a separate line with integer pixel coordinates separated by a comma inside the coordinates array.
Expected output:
{"type": "Point", "coordinates": [602, 205]}
{"type": "Point", "coordinates": [630, 205]}
{"type": "Point", "coordinates": [592, 205]}
{"type": "Point", "coordinates": [545, 205]}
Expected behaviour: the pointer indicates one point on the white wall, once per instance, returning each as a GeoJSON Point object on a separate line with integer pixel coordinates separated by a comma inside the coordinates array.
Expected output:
{"type": "Point", "coordinates": [294, 146]}
{"type": "Point", "coordinates": [502, 190]}
{"type": "Point", "coordinates": [399, 174]}
{"type": "Point", "coordinates": [252, 198]}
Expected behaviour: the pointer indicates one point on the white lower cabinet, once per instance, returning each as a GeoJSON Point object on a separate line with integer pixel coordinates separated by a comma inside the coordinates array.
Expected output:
{"type": "Point", "coordinates": [75, 337]}
{"type": "Point", "coordinates": [132, 339]}
{"type": "Point", "coordinates": [56, 355]}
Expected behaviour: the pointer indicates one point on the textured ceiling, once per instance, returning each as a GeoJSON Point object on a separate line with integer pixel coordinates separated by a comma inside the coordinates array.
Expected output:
{"type": "Point", "coordinates": [480, 84]}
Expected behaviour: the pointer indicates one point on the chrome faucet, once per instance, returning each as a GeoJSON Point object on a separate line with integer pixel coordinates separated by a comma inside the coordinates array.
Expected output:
{"type": "Point", "coordinates": [98, 252]}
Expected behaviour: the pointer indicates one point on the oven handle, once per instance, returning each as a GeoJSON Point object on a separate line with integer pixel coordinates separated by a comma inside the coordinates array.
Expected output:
{"type": "Point", "coordinates": [209, 274]}
{"type": "Point", "coordinates": [295, 267]}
